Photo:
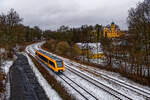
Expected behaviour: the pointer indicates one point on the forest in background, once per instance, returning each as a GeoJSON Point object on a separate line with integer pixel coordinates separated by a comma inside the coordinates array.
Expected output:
{"type": "Point", "coordinates": [128, 54]}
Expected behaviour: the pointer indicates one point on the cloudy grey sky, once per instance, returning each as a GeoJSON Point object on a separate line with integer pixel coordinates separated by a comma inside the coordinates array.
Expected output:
{"type": "Point", "coordinates": [50, 14]}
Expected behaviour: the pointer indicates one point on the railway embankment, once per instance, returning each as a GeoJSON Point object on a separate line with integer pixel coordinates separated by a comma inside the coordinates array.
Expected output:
{"type": "Point", "coordinates": [59, 88]}
{"type": "Point", "coordinates": [23, 83]}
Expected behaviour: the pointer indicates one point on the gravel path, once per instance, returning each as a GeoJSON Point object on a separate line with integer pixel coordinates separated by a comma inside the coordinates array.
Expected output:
{"type": "Point", "coordinates": [24, 85]}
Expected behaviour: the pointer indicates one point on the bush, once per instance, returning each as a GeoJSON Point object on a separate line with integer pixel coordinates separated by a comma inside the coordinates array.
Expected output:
{"type": "Point", "coordinates": [63, 48]}
{"type": "Point", "coordinates": [51, 44]}
{"type": "Point", "coordinates": [76, 51]}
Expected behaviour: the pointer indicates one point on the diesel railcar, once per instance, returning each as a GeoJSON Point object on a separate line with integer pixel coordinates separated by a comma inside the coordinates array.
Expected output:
{"type": "Point", "coordinates": [54, 63]}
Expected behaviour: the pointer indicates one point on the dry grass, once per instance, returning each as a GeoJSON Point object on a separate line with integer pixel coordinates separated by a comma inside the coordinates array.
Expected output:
{"type": "Point", "coordinates": [53, 82]}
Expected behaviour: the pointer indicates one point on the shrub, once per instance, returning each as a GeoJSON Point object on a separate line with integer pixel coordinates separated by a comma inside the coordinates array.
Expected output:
{"type": "Point", "coordinates": [76, 51]}
{"type": "Point", "coordinates": [51, 44]}
{"type": "Point", "coordinates": [63, 48]}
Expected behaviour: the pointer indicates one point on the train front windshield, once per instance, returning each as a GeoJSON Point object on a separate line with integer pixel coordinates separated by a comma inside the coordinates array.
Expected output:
{"type": "Point", "coordinates": [59, 64]}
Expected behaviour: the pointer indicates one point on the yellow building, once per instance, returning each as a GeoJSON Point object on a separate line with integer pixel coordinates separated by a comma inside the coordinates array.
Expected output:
{"type": "Point", "coordinates": [112, 32]}
{"type": "Point", "coordinates": [97, 56]}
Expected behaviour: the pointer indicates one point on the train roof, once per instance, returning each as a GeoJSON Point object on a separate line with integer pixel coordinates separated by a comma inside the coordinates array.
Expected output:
{"type": "Point", "coordinates": [49, 55]}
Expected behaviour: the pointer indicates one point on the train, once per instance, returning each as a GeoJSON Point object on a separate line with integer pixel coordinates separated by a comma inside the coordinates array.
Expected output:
{"type": "Point", "coordinates": [56, 64]}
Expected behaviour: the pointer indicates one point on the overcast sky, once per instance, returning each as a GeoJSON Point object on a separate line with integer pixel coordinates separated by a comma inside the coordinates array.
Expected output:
{"type": "Point", "coordinates": [51, 14]}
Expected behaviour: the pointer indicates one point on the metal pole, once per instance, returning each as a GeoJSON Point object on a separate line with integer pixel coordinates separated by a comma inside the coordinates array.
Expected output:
{"type": "Point", "coordinates": [97, 42]}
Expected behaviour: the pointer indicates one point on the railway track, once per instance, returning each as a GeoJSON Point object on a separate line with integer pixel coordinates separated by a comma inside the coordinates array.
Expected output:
{"type": "Point", "coordinates": [109, 90]}
{"type": "Point", "coordinates": [98, 84]}
{"type": "Point", "coordinates": [70, 82]}
{"type": "Point", "coordinates": [115, 93]}
{"type": "Point", "coordinates": [75, 86]}
{"type": "Point", "coordinates": [80, 90]}
{"type": "Point", "coordinates": [123, 84]}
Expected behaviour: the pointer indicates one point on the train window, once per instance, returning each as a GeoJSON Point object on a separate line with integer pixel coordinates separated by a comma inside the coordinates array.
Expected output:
{"type": "Point", "coordinates": [51, 63]}
{"type": "Point", "coordinates": [43, 58]}
{"type": "Point", "coordinates": [59, 63]}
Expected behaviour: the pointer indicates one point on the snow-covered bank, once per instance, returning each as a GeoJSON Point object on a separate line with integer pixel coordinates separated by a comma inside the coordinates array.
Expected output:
{"type": "Point", "coordinates": [7, 92]}
{"type": "Point", "coordinates": [6, 66]}
{"type": "Point", "coordinates": [5, 69]}
{"type": "Point", "coordinates": [51, 93]}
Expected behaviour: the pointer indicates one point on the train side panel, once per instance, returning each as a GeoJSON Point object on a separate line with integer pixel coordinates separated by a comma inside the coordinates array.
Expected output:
{"type": "Point", "coordinates": [51, 62]}
{"type": "Point", "coordinates": [53, 68]}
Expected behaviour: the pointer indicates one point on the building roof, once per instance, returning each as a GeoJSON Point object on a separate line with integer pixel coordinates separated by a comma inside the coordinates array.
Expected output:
{"type": "Point", "coordinates": [113, 23]}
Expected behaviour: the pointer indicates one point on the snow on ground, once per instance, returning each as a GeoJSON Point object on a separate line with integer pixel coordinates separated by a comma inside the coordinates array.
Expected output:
{"type": "Point", "coordinates": [110, 84]}
{"type": "Point", "coordinates": [70, 90]}
{"type": "Point", "coordinates": [2, 50]}
{"type": "Point", "coordinates": [51, 93]}
{"type": "Point", "coordinates": [7, 92]}
{"type": "Point", "coordinates": [97, 61]}
{"type": "Point", "coordinates": [113, 75]}
{"type": "Point", "coordinates": [94, 48]}
{"type": "Point", "coordinates": [91, 46]}
{"type": "Point", "coordinates": [87, 86]}
{"type": "Point", "coordinates": [83, 83]}
{"type": "Point", "coordinates": [67, 87]}
{"type": "Point", "coordinates": [6, 66]}
{"type": "Point", "coordinates": [90, 87]}
{"type": "Point", "coordinates": [97, 92]}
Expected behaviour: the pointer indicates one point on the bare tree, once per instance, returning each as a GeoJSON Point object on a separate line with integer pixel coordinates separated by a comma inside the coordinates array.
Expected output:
{"type": "Point", "coordinates": [139, 23]}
